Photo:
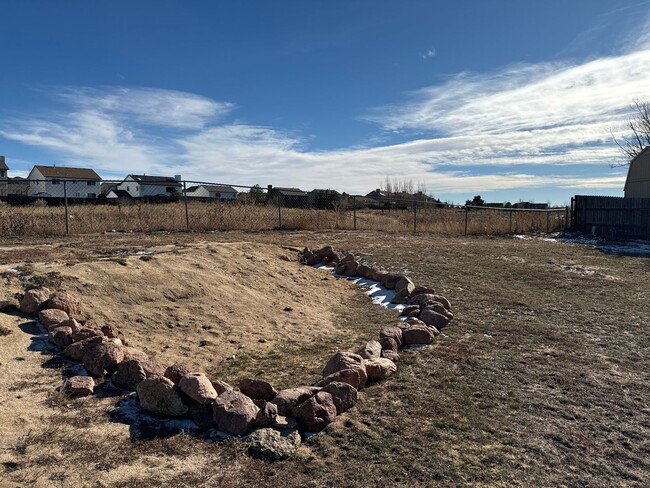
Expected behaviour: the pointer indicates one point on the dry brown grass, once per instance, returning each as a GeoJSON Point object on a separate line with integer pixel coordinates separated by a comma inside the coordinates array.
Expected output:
{"type": "Point", "coordinates": [542, 379]}
{"type": "Point", "coordinates": [217, 216]}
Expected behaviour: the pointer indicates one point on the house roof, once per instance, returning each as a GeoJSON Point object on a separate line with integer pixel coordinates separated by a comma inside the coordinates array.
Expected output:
{"type": "Point", "coordinates": [213, 188]}
{"type": "Point", "coordinates": [291, 192]}
{"type": "Point", "coordinates": [318, 190]}
{"type": "Point", "coordinates": [642, 154]}
{"type": "Point", "coordinates": [3, 165]}
{"type": "Point", "coordinates": [155, 180]}
{"type": "Point", "coordinates": [68, 173]}
{"type": "Point", "coordinates": [120, 193]}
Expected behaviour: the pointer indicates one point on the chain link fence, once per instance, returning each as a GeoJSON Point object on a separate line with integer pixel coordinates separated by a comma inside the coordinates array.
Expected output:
{"type": "Point", "coordinates": [64, 207]}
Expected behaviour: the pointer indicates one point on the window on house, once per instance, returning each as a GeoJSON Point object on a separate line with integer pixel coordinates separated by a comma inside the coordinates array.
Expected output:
{"type": "Point", "coordinates": [217, 194]}
{"type": "Point", "coordinates": [2, 174]}
{"type": "Point", "coordinates": [92, 195]}
{"type": "Point", "coordinates": [91, 183]}
{"type": "Point", "coordinates": [56, 182]}
{"type": "Point", "coordinates": [170, 189]}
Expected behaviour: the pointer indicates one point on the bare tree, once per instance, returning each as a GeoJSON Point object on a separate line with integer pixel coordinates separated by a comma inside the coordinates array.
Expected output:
{"type": "Point", "coordinates": [638, 137]}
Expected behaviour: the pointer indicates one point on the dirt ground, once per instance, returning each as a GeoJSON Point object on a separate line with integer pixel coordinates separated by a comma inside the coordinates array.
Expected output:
{"type": "Point", "coordinates": [541, 379]}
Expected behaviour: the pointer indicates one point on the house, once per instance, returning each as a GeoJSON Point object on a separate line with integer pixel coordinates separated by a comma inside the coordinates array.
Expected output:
{"type": "Point", "coordinates": [377, 194]}
{"type": "Point", "coordinates": [17, 186]}
{"type": "Point", "coordinates": [212, 192]}
{"type": "Point", "coordinates": [288, 197]}
{"type": "Point", "coordinates": [530, 205]}
{"type": "Point", "coordinates": [141, 186]}
{"type": "Point", "coordinates": [637, 183]}
{"type": "Point", "coordinates": [4, 180]}
{"type": "Point", "coordinates": [60, 181]}
{"type": "Point", "coordinates": [325, 199]}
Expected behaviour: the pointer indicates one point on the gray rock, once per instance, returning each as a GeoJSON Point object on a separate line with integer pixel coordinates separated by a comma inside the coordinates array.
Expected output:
{"type": "Point", "coordinates": [273, 444]}
{"type": "Point", "coordinates": [198, 387]}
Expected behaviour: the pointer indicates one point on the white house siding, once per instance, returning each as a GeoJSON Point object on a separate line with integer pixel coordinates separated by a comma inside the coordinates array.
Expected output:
{"type": "Point", "coordinates": [138, 190]}
{"type": "Point", "coordinates": [54, 187]}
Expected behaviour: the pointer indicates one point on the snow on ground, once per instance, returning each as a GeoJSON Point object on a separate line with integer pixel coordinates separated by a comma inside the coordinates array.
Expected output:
{"type": "Point", "coordinates": [631, 248]}
{"type": "Point", "coordinates": [377, 293]}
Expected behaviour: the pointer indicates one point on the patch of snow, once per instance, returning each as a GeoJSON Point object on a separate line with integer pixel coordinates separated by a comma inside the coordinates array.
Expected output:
{"type": "Point", "coordinates": [377, 293]}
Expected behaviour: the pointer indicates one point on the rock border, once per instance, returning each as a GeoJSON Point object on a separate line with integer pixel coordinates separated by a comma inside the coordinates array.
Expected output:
{"type": "Point", "coordinates": [270, 421]}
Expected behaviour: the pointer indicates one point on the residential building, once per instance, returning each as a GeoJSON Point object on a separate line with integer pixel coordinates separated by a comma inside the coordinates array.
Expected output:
{"type": "Point", "coordinates": [60, 181]}
{"type": "Point", "coordinates": [637, 183]}
{"type": "Point", "coordinates": [142, 186]}
{"type": "Point", "coordinates": [325, 199]}
{"type": "Point", "coordinates": [288, 197]}
{"type": "Point", "coordinates": [17, 186]}
{"type": "Point", "coordinates": [212, 192]}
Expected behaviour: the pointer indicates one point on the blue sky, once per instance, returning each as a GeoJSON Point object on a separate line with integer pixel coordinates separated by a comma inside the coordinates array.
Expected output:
{"type": "Point", "coordinates": [509, 99]}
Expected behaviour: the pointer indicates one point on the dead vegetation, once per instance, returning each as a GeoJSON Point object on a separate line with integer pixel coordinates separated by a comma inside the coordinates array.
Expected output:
{"type": "Point", "coordinates": [217, 216]}
{"type": "Point", "coordinates": [541, 379]}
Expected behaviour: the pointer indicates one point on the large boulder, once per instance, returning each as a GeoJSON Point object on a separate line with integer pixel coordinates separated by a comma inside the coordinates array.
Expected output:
{"type": "Point", "coordinates": [315, 413]}
{"type": "Point", "coordinates": [344, 395]}
{"type": "Point", "coordinates": [221, 386]}
{"type": "Point", "coordinates": [342, 360]}
{"type": "Point", "coordinates": [417, 334]}
{"type": "Point", "coordinates": [77, 350]}
{"type": "Point", "coordinates": [198, 387]}
{"type": "Point", "coordinates": [380, 368]}
{"type": "Point", "coordinates": [285, 400]}
{"type": "Point", "coordinates": [133, 353]}
{"type": "Point", "coordinates": [79, 386]}
{"type": "Point", "coordinates": [356, 377]}
{"type": "Point", "coordinates": [103, 359]}
{"type": "Point", "coordinates": [234, 413]}
{"type": "Point", "coordinates": [72, 323]}
{"type": "Point", "coordinates": [273, 444]}
{"type": "Point", "coordinates": [424, 298]}
{"type": "Point", "coordinates": [112, 332]}
{"type": "Point", "coordinates": [419, 290]}
{"type": "Point", "coordinates": [377, 275]}
{"type": "Point", "coordinates": [157, 395]}
{"type": "Point", "coordinates": [388, 343]}
{"type": "Point", "coordinates": [61, 336]}
{"type": "Point", "coordinates": [392, 355]}
{"type": "Point", "coordinates": [132, 371]}
{"type": "Point", "coordinates": [52, 317]}
{"type": "Point", "coordinates": [392, 332]}
{"type": "Point", "coordinates": [390, 280]}
{"type": "Point", "coordinates": [371, 349]}
{"type": "Point", "coordinates": [70, 304]}
{"type": "Point", "coordinates": [33, 300]}
{"type": "Point", "coordinates": [326, 251]}
{"type": "Point", "coordinates": [406, 311]}
{"type": "Point", "coordinates": [433, 318]}
{"type": "Point", "coordinates": [176, 371]}
{"type": "Point", "coordinates": [85, 333]}
{"type": "Point", "coordinates": [363, 271]}
{"type": "Point", "coordinates": [257, 389]}
{"type": "Point", "coordinates": [404, 287]}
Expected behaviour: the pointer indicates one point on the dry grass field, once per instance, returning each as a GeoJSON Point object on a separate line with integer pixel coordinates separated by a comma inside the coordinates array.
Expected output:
{"type": "Point", "coordinates": [203, 217]}
{"type": "Point", "coordinates": [542, 379]}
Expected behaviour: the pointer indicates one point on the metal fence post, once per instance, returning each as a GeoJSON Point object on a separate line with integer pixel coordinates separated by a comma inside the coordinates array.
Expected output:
{"type": "Point", "coordinates": [510, 231]}
{"type": "Point", "coordinates": [187, 212]}
{"type": "Point", "coordinates": [415, 217]}
{"type": "Point", "coordinates": [566, 218]}
{"type": "Point", "coordinates": [548, 221]}
{"type": "Point", "coordinates": [466, 212]}
{"type": "Point", "coordinates": [65, 205]}
{"type": "Point", "coordinates": [354, 211]}
{"type": "Point", "coordinates": [279, 211]}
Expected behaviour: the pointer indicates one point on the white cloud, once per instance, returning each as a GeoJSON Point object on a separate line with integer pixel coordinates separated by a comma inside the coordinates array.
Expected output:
{"type": "Point", "coordinates": [429, 53]}
{"type": "Point", "coordinates": [536, 116]}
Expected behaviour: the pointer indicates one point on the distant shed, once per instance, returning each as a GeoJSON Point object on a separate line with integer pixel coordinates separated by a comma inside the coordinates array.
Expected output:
{"type": "Point", "coordinates": [637, 183]}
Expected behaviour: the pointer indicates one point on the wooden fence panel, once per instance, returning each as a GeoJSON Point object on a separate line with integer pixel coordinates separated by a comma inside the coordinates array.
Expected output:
{"type": "Point", "coordinates": [613, 217]}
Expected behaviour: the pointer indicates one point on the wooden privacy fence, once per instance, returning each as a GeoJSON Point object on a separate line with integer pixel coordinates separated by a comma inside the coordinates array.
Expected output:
{"type": "Point", "coordinates": [613, 217]}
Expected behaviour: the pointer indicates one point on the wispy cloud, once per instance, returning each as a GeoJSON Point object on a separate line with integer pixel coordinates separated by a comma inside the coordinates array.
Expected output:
{"type": "Point", "coordinates": [429, 53]}
{"type": "Point", "coordinates": [472, 133]}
